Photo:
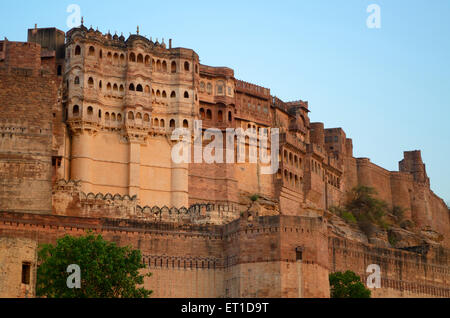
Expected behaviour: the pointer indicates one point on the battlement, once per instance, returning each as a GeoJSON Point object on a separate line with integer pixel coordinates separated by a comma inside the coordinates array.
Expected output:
{"type": "Point", "coordinates": [51, 41]}
{"type": "Point", "coordinates": [213, 71]}
{"type": "Point", "coordinates": [120, 42]}
{"type": "Point", "coordinates": [299, 104]}
{"type": "Point", "coordinates": [279, 104]}
{"type": "Point", "coordinates": [24, 56]}
{"type": "Point", "coordinates": [252, 89]}
{"type": "Point", "coordinates": [413, 164]}
{"type": "Point", "coordinates": [68, 199]}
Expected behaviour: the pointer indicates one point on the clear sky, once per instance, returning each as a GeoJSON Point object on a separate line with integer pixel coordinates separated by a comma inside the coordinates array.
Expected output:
{"type": "Point", "coordinates": [388, 88]}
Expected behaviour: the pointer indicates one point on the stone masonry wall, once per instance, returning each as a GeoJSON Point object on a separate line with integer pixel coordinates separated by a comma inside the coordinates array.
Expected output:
{"type": "Point", "coordinates": [27, 95]}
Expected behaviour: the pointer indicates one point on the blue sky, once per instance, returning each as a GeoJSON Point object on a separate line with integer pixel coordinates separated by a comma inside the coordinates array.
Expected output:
{"type": "Point", "coordinates": [388, 88]}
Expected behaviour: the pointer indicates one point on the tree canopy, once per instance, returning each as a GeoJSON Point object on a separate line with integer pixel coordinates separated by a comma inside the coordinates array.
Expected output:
{"type": "Point", "coordinates": [347, 285]}
{"type": "Point", "coordinates": [107, 270]}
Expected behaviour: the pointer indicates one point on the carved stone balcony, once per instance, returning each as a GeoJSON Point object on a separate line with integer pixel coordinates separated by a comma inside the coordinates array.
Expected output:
{"type": "Point", "coordinates": [286, 138]}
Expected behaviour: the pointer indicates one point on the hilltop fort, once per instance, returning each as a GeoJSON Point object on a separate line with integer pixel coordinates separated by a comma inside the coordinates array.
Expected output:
{"type": "Point", "coordinates": [85, 126]}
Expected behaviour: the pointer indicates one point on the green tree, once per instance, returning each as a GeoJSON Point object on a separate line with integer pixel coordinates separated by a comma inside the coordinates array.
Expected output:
{"type": "Point", "coordinates": [365, 207]}
{"type": "Point", "coordinates": [107, 270]}
{"type": "Point", "coordinates": [347, 285]}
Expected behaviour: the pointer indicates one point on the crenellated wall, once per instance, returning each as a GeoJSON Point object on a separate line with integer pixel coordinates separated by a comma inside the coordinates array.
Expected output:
{"type": "Point", "coordinates": [278, 256]}
{"type": "Point", "coordinates": [425, 273]}
{"type": "Point", "coordinates": [249, 257]}
{"type": "Point", "coordinates": [409, 189]}
{"type": "Point", "coordinates": [100, 109]}
{"type": "Point", "coordinates": [27, 95]}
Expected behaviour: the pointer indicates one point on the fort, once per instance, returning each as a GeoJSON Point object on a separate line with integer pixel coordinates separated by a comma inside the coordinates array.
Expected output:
{"type": "Point", "coordinates": [86, 120]}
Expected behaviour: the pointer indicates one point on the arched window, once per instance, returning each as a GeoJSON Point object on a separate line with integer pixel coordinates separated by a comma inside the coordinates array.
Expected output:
{"type": "Point", "coordinates": [173, 67]}
{"type": "Point", "coordinates": [147, 60]}
{"type": "Point", "coordinates": [156, 122]}
{"type": "Point", "coordinates": [91, 51]}
{"type": "Point", "coordinates": [173, 94]}
{"type": "Point", "coordinates": [113, 117]}
{"type": "Point", "coordinates": [131, 88]}
{"type": "Point", "coordinates": [100, 54]}
{"type": "Point", "coordinates": [147, 89]}
{"type": "Point", "coordinates": [186, 66]}
{"type": "Point", "coordinates": [138, 116]}
{"type": "Point", "coordinates": [146, 118]}
{"type": "Point", "coordinates": [90, 111]}
{"type": "Point", "coordinates": [139, 88]}
{"type": "Point", "coordinates": [186, 95]}
{"type": "Point", "coordinates": [153, 65]}
{"type": "Point", "coordinates": [91, 82]}
{"type": "Point", "coordinates": [108, 86]}
{"type": "Point", "coordinates": [158, 66]}
{"type": "Point", "coordinates": [130, 116]}
{"type": "Point", "coordinates": [77, 50]}
{"type": "Point", "coordinates": [162, 123]}
{"type": "Point", "coordinates": [164, 94]}
{"type": "Point", "coordinates": [208, 114]}
{"type": "Point", "coordinates": [164, 66]}
{"type": "Point", "coordinates": [99, 113]}
{"type": "Point", "coordinates": [115, 88]}
{"type": "Point", "coordinates": [202, 113]}
{"type": "Point", "coordinates": [121, 88]}
{"type": "Point", "coordinates": [119, 118]}
{"type": "Point", "coordinates": [140, 58]}
{"type": "Point", "coordinates": [185, 124]}
{"type": "Point", "coordinates": [77, 81]}
{"type": "Point", "coordinates": [132, 57]}
{"type": "Point", "coordinates": [106, 116]}
{"type": "Point", "coordinates": [122, 59]}
{"type": "Point", "coordinates": [76, 111]}
{"type": "Point", "coordinates": [158, 93]}
{"type": "Point", "coordinates": [100, 85]}
{"type": "Point", "coordinates": [116, 58]}
{"type": "Point", "coordinates": [109, 56]}
{"type": "Point", "coordinates": [172, 123]}
{"type": "Point", "coordinates": [220, 116]}
{"type": "Point", "coordinates": [230, 117]}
